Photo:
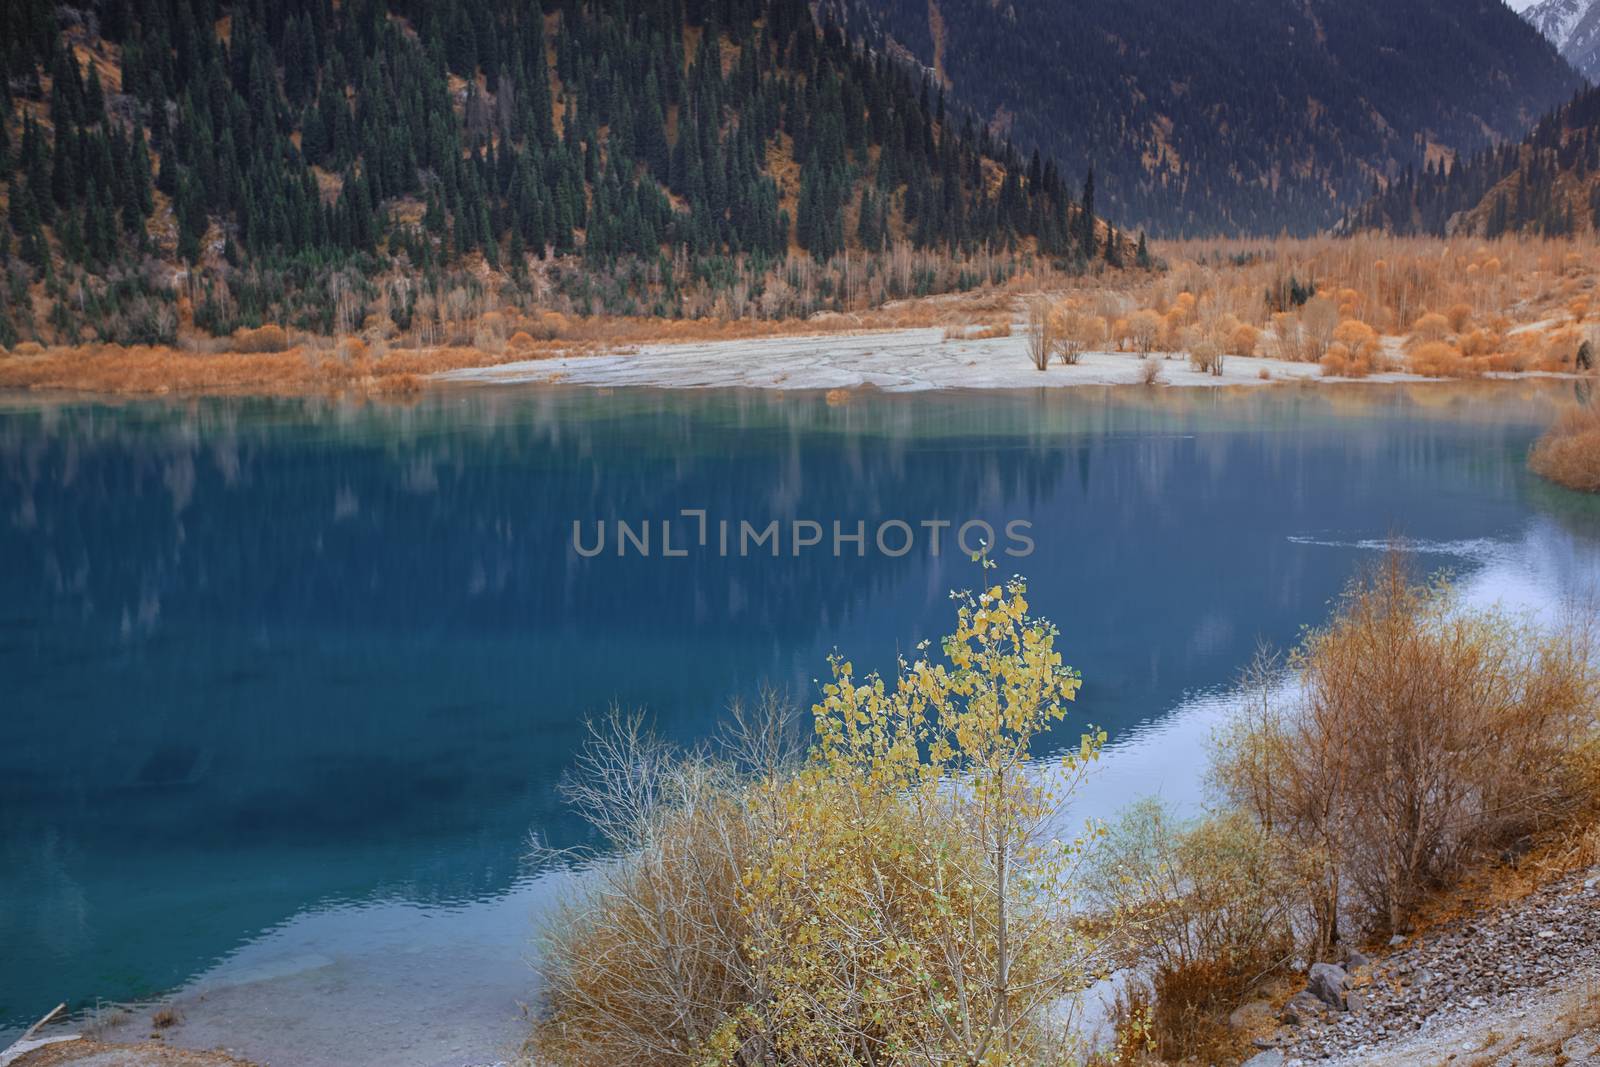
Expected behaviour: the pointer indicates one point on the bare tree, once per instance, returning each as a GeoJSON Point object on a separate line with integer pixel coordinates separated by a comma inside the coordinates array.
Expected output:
{"type": "Point", "coordinates": [1041, 335]}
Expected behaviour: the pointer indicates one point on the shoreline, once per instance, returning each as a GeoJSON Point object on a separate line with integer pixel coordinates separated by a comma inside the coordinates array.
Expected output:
{"type": "Point", "coordinates": [906, 360]}
{"type": "Point", "coordinates": [891, 359]}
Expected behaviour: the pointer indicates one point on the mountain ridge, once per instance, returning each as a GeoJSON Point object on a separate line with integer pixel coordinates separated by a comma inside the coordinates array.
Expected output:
{"type": "Point", "coordinates": [1245, 116]}
{"type": "Point", "coordinates": [1573, 26]}
{"type": "Point", "coordinates": [1547, 184]}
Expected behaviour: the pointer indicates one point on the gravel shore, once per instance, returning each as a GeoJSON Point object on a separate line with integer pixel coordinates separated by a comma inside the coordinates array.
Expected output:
{"type": "Point", "coordinates": [1516, 984]}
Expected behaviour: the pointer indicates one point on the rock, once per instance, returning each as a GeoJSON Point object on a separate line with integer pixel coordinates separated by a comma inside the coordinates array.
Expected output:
{"type": "Point", "coordinates": [1270, 1058]}
{"type": "Point", "coordinates": [1354, 960]}
{"type": "Point", "coordinates": [1328, 982]}
{"type": "Point", "coordinates": [1396, 941]}
{"type": "Point", "coordinates": [1252, 1015]}
{"type": "Point", "coordinates": [1303, 1007]}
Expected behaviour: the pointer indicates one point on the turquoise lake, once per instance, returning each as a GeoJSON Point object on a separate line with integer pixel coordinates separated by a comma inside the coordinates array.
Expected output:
{"type": "Point", "coordinates": [287, 686]}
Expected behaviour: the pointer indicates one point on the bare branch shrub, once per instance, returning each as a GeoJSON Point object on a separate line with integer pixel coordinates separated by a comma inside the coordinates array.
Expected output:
{"type": "Point", "coordinates": [1211, 903]}
{"type": "Point", "coordinates": [1288, 339]}
{"type": "Point", "coordinates": [1041, 332]}
{"type": "Point", "coordinates": [1318, 320]}
{"type": "Point", "coordinates": [1144, 328]}
{"type": "Point", "coordinates": [1421, 734]}
{"type": "Point", "coordinates": [1206, 358]}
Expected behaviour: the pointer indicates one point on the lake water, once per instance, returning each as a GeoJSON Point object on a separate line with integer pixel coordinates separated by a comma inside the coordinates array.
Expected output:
{"type": "Point", "coordinates": [286, 686]}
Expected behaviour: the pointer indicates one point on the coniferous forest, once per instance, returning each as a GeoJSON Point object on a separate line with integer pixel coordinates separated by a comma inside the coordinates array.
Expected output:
{"type": "Point", "coordinates": [1233, 117]}
{"type": "Point", "coordinates": [1547, 185]}
{"type": "Point", "coordinates": [302, 163]}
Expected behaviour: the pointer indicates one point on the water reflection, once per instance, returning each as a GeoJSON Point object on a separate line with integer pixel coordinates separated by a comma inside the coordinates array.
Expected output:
{"type": "Point", "coordinates": [264, 659]}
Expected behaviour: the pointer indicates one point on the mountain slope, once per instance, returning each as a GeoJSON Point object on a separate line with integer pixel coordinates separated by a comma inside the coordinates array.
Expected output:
{"type": "Point", "coordinates": [313, 164]}
{"type": "Point", "coordinates": [1233, 115]}
{"type": "Point", "coordinates": [1573, 26]}
{"type": "Point", "coordinates": [1549, 183]}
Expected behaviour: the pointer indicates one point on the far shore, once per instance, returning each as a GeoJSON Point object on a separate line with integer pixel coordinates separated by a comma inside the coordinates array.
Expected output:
{"type": "Point", "coordinates": [893, 360]}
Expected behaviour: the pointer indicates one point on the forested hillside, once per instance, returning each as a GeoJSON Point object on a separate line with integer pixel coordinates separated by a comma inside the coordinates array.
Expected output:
{"type": "Point", "coordinates": [1549, 184]}
{"type": "Point", "coordinates": [169, 163]}
{"type": "Point", "coordinates": [1232, 116]}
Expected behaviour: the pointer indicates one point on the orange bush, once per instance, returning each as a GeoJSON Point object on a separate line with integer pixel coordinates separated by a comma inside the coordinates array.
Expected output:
{"type": "Point", "coordinates": [1479, 343]}
{"type": "Point", "coordinates": [1569, 452]}
{"type": "Point", "coordinates": [1430, 327]}
{"type": "Point", "coordinates": [1336, 363]}
{"type": "Point", "coordinates": [1243, 340]}
{"type": "Point", "coordinates": [268, 338]}
{"type": "Point", "coordinates": [1436, 359]}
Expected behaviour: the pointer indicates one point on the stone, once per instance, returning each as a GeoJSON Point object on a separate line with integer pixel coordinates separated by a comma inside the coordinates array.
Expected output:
{"type": "Point", "coordinates": [1270, 1058]}
{"type": "Point", "coordinates": [1396, 941]}
{"type": "Point", "coordinates": [1356, 960]}
{"type": "Point", "coordinates": [1328, 983]}
{"type": "Point", "coordinates": [1302, 1007]}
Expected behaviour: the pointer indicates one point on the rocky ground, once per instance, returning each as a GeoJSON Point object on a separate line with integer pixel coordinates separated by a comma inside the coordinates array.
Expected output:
{"type": "Point", "coordinates": [86, 1053]}
{"type": "Point", "coordinates": [1515, 984]}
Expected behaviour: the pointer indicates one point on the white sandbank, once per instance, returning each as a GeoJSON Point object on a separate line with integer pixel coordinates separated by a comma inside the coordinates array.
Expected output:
{"type": "Point", "coordinates": [906, 360]}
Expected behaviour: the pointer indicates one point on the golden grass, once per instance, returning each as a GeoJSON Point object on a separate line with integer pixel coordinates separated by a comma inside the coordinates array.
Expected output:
{"type": "Point", "coordinates": [159, 370]}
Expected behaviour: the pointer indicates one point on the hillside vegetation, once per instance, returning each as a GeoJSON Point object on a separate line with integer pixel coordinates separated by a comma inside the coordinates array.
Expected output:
{"type": "Point", "coordinates": [1546, 184]}
{"type": "Point", "coordinates": [1233, 116]}
{"type": "Point", "coordinates": [407, 167]}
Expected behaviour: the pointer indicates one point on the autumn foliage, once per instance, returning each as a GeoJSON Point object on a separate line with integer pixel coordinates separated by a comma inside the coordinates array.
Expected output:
{"type": "Point", "coordinates": [1569, 452]}
{"type": "Point", "coordinates": [848, 905]}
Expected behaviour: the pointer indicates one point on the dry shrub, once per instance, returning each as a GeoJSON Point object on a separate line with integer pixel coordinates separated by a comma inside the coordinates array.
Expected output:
{"type": "Point", "coordinates": [1438, 359]}
{"type": "Point", "coordinates": [1076, 333]}
{"type": "Point", "coordinates": [1429, 328]}
{"type": "Point", "coordinates": [1422, 734]}
{"type": "Point", "coordinates": [28, 348]}
{"type": "Point", "coordinates": [521, 341]}
{"type": "Point", "coordinates": [1288, 339]}
{"type": "Point", "coordinates": [1206, 358]}
{"type": "Point", "coordinates": [649, 958]}
{"type": "Point", "coordinates": [1457, 316]}
{"type": "Point", "coordinates": [1569, 452]}
{"type": "Point", "coordinates": [1242, 340]}
{"type": "Point", "coordinates": [1479, 343]}
{"type": "Point", "coordinates": [846, 906]}
{"type": "Point", "coordinates": [1150, 372]}
{"type": "Point", "coordinates": [1337, 363]}
{"type": "Point", "coordinates": [1211, 906]}
{"type": "Point", "coordinates": [1144, 331]}
{"type": "Point", "coordinates": [1318, 319]}
{"type": "Point", "coordinates": [1041, 332]}
{"type": "Point", "coordinates": [1506, 362]}
{"type": "Point", "coordinates": [268, 338]}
